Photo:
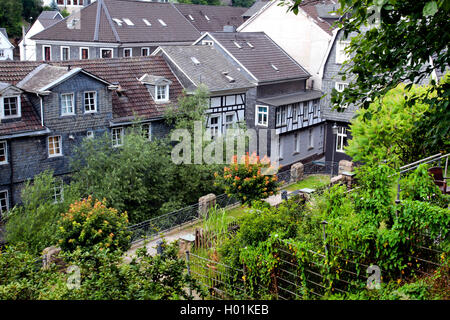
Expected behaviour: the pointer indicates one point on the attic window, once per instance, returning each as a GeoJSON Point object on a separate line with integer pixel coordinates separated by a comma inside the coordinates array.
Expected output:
{"type": "Point", "coordinates": [274, 67]}
{"type": "Point", "coordinates": [162, 23]}
{"type": "Point", "coordinates": [237, 44]}
{"type": "Point", "coordinates": [195, 61]}
{"type": "Point", "coordinates": [191, 17]}
{"type": "Point", "coordinates": [118, 21]}
{"type": "Point", "coordinates": [10, 107]}
{"type": "Point", "coordinates": [128, 22]}
{"type": "Point", "coordinates": [147, 22]}
{"type": "Point", "coordinates": [206, 17]}
{"type": "Point", "coordinates": [250, 45]}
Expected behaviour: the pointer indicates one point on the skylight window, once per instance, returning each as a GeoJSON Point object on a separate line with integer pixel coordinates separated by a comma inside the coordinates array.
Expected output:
{"type": "Point", "coordinates": [118, 21]}
{"type": "Point", "coordinates": [162, 23]}
{"type": "Point", "coordinates": [237, 44]}
{"type": "Point", "coordinates": [206, 17]}
{"type": "Point", "coordinates": [195, 61]}
{"type": "Point", "coordinates": [274, 67]}
{"type": "Point", "coordinates": [147, 22]}
{"type": "Point", "coordinates": [128, 21]}
{"type": "Point", "coordinates": [191, 17]}
{"type": "Point", "coordinates": [250, 45]}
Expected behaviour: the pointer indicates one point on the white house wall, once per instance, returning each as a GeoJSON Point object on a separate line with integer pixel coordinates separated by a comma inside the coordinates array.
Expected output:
{"type": "Point", "coordinates": [7, 48]}
{"type": "Point", "coordinates": [298, 35]}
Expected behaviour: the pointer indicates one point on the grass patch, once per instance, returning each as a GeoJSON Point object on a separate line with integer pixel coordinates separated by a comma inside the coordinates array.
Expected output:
{"type": "Point", "coordinates": [312, 182]}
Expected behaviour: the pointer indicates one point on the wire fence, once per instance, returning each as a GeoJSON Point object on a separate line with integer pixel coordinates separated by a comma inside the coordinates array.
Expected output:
{"type": "Point", "coordinates": [332, 269]}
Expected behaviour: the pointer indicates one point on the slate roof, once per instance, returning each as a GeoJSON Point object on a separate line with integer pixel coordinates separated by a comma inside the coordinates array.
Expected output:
{"type": "Point", "coordinates": [42, 76]}
{"type": "Point", "coordinates": [97, 22]}
{"type": "Point", "coordinates": [47, 18]}
{"type": "Point", "coordinates": [255, 8]}
{"type": "Point", "coordinates": [210, 69]}
{"type": "Point", "coordinates": [259, 58]}
{"type": "Point", "coordinates": [219, 16]}
{"type": "Point", "coordinates": [3, 31]}
{"type": "Point", "coordinates": [286, 99]}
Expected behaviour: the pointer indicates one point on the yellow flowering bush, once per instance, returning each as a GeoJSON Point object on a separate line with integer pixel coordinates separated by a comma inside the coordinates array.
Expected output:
{"type": "Point", "coordinates": [89, 222]}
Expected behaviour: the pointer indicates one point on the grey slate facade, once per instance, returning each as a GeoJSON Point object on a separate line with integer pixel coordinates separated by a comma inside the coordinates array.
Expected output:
{"type": "Point", "coordinates": [272, 87]}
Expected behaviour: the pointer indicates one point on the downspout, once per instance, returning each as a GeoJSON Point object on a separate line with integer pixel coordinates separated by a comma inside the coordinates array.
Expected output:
{"type": "Point", "coordinates": [42, 109]}
{"type": "Point", "coordinates": [11, 173]}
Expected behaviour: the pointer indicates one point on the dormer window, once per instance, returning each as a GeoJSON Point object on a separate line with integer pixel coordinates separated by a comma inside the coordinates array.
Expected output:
{"type": "Point", "coordinates": [162, 92]}
{"type": "Point", "coordinates": [10, 107]}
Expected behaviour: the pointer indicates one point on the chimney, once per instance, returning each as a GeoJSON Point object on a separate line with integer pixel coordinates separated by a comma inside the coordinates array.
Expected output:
{"type": "Point", "coordinates": [229, 28]}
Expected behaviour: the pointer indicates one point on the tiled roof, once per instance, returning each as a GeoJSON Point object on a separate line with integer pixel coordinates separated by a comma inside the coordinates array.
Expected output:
{"type": "Point", "coordinates": [219, 16]}
{"type": "Point", "coordinates": [124, 72]}
{"type": "Point", "coordinates": [99, 22]}
{"type": "Point", "coordinates": [209, 69]}
{"type": "Point", "coordinates": [28, 122]}
{"type": "Point", "coordinates": [136, 99]}
{"type": "Point", "coordinates": [286, 99]}
{"type": "Point", "coordinates": [261, 56]}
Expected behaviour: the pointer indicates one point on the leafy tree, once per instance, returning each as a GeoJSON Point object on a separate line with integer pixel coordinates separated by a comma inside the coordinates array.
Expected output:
{"type": "Point", "coordinates": [35, 222]}
{"type": "Point", "coordinates": [90, 223]}
{"type": "Point", "coordinates": [243, 3]}
{"type": "Point", "coordinates": [134, 177]}
{"type": "Point", "coordinates": [397, 50]}
{"type": "Point", "coordinates": [31, 9]}
{"type": "Point", "coordinates": [11, 16]}
{"type": "Point", "coordinates": [389, 134]}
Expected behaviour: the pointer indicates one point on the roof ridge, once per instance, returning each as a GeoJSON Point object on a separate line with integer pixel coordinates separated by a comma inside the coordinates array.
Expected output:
{"type": "Point", "coordinates": [108, 16]}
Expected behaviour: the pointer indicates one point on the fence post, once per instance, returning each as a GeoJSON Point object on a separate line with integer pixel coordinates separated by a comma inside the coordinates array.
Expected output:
{"type": "Point", "coordinates": [323, 223]}
{"type": "Point", "coordinates": [188, 270]}
{"type": "Point", "coordinates": [397, 200]}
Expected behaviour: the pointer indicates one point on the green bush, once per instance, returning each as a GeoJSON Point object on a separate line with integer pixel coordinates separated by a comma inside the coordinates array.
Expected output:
{"type": "Point", "coordinates": [89, 223]}
{"type": "Point", "coordinates": [35, 221]}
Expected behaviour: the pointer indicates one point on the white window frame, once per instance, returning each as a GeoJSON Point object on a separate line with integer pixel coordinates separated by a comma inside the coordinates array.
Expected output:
{"type": "Point", "coordinates": [341, 55]}
{"type": "Point", "coordinates": [142, 51]}
{"type": "Point", "coordinates": [343, 84]}
{"type": "Point", "coordinates": [90, 134]}
{"type": "Point", "coordinates": [68, 53]}
{"type": "Point", "coordinates": [58, 192]}
{"type": "Point", "coordinates": [106, 49]}
{"type": "Point", "coordinates": [73, 104]}
{"type": "Point", "coordinates": [280, 148]}
{"type": "Point", "coordinates": [257, 113]}
{"type": "Point", "coordinates": [229, 125]}
{"type": "Point", "coordinates": [6, 199]}
{"type": "Point", "coordinates": [60, 147]}
{"type": "Point", "coordinates": [126, 49]}
{"type": "Point", "coordinates": [4, 147]}
{"type": "Point", "coordinates": [316, 105]}
{"type": "Point", "coordinates": [81, 53]}
{"type": "Point", "coordinates": [113, 140]}
{"type": "Point", "coordinates": [166, 93]}
{"type": "Point", "coordinates": [43, 53]}
{"type": "Point", "coordinates": [341, 134]}
{"type": "Point", "coordinates": [147, 130]}
{"type": "Point", "coordinates": [2, 53]}
{"type": "Point", "coordinates": [2, 107]}
{"type": "Point", "coordinates": [95, 101]}
{"type": "Point", "coordinates": [216, 126]}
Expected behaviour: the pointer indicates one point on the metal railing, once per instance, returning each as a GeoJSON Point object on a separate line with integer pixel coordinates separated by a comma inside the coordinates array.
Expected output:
{"type": "Point", "coordinates": [172, 220]}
